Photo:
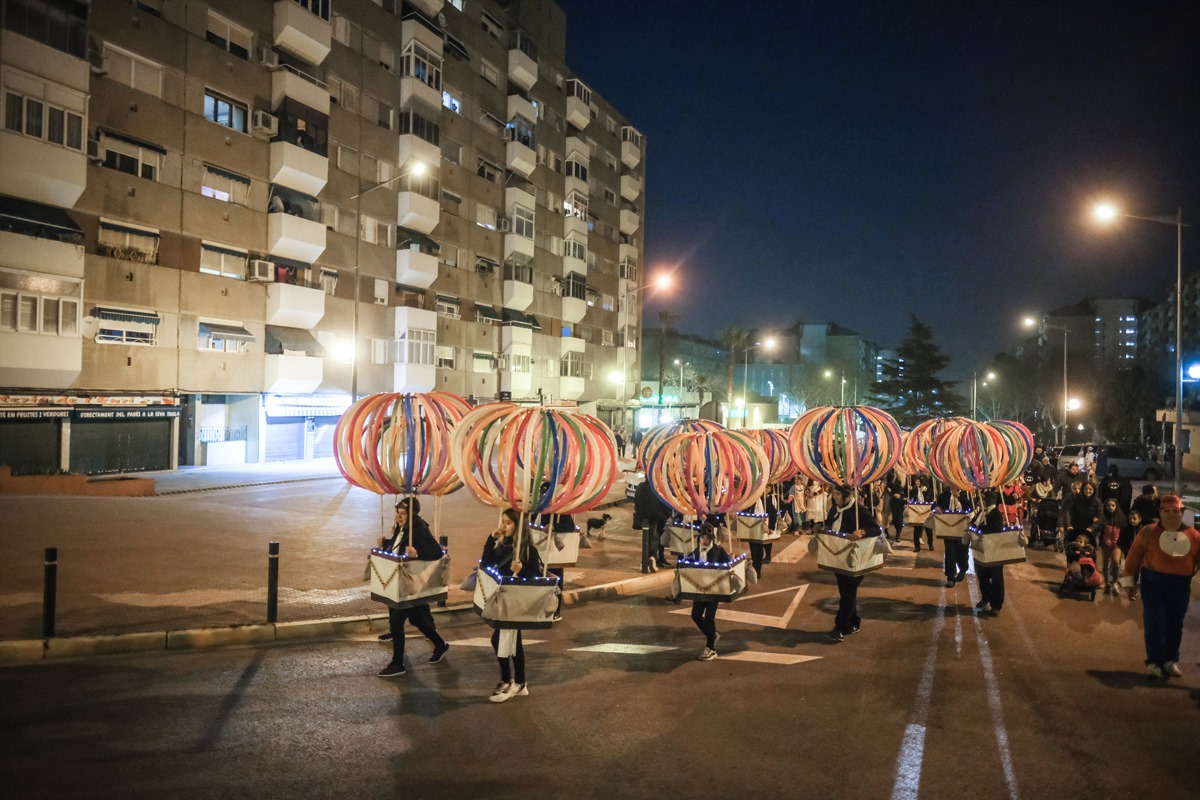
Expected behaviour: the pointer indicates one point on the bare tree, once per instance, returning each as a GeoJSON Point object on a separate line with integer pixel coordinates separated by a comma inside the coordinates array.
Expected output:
{"type": "Point", "coordinates": [667, 320]}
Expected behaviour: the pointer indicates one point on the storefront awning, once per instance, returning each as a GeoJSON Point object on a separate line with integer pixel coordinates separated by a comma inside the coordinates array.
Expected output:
{"type": "Point", "coordinates": [485, 312]}
{"type": "Point", "coordinates": [225, 332]}
{"type": "Point", "coordinates": [38, 220]}
{"type": "Point", "coordinates": [122, 315]}
{"type": "Point", "coordinates": [280, 339]}
{"type": "Point", "coordinates": [448, 300]}
{"type": "Point", "coordinates": [406, 237]}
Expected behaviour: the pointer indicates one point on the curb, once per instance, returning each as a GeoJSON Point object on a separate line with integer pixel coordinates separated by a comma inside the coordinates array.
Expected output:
{"type": "Point", "coordinates": [27, 651]}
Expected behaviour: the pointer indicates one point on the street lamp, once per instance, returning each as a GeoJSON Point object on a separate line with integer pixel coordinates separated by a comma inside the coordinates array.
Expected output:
{"type": "Point", "coordinates": [1107, 213]}
{"type": "Point", "coordinates": [663, 281]}
{"type": "Point", "coordinates": [765, 344]}
{"type": "Point", "coordinates": [991, 376]}
{"type": "Point", "coordinates": [842, 372]}
{"type": "Point", "coordinates": [1029, 323]}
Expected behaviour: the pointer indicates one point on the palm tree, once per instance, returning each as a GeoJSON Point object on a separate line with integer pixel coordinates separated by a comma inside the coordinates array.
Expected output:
{"type": "Point", "coordinates": [667, 321]}
{"type": "Point", "coordinates": [733, 339]}
{"type": "Point", "coordinates": [702, 382]}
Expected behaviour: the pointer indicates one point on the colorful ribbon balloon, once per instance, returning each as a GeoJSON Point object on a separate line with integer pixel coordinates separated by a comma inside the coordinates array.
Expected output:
{"type": "Point", "coordinates": [660, 433]}
{"type": "Point", "coordinates": [716, 472]}
{"type": "Point", "coordinates": [399, 443]}
{"type": "Point", "coordinates": [779, 453]}
{"type": "Point", "coordinates": [853, 445]}
{"type": "Point", "coordinates": [982, 455]}
{"type": "Point", "coordinates": [505, 454]}
{"type": "Point", "coordinates": [919, 441]}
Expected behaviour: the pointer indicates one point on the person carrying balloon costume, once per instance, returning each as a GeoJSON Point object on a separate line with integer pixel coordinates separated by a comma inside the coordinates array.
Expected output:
{"type": "Point", "coordinates": [852, 518]}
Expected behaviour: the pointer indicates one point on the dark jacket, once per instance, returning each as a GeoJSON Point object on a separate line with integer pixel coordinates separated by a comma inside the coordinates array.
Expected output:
{"type": "Point", "coordinates": [562, 523]}
{"type": "Point", "coordinates": [991, 522]}
{"type": "Point", "coordinates": [1118, 488]}
{"type": "Point", "coordinates": [499, 555]}
{"type": "Point", "coordinates": [1080, 512]}
{"type": "Point", "coordinates": [647, 506]}
{"type": "Point", "coordinates": [943, 499]}
{"type": "Point", "coordinates": [716, 555]}
{"type": "Point", "coordinates": [850, 522]}
{"type": "Point", "coordinates": [1147, 506]}
{"type": "Point", "coordinates": [422, 539]}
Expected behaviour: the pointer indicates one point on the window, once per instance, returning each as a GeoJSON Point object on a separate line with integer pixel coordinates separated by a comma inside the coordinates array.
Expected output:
{"type": "Point", "coordinates": [610, 196]}
{"type": "Point", "coordinates": [522, 221]}
{"type": "Point", "coordinates": [445, 357]}
{"type": "Point", "coordinates": [420, 125]}
{"type": "Point", "coordinates": [488, 171]}
{"type": "Point", "coordinates": [39, 303]}
{"type": "Point", "coordinates": [329, 281]}
{"type": "Point", "coordinates": [491, 26]}
{"type": "Point", "coordinates": [123, 326]}
{"type": "Point", "coordinates": [450, 101]}
{"type": "Point", "coordinates": [451, 198]}
{"type": "Point", "coordinates": [225, 111]}
{"type": "Point", "coordinates": [520, 364]}
{"type": "Point", "coordinates": [375, 50]}
{"type": "Point", "coordinates": [416, 346]}
{"type": "Point", "coordinates": [347, 32]}
{"type": "Point", "coordinates": [132, 243]}
{"type": "Point", "coordinates": [223, 337]}
{"type": "Point", "coordinates": [375, 231]}
{"type": "Point", "coordinates": [61, 25]}
{"type": "Point", "coordinates": [629, 134]}
{"type": "Point", "coordinates": [576, 205]}
{"type": "Point", "coordinates": [575, 285]}
{"type": "Point", "coordinates": [133, 157]}
{"type": "Point", "coordinates": [489, 73]}
{"type": "Point", "coordinates": [573, 365]}
{"type": "Point", "coordinates": [521, 130]}
{"type": "Point", "coordinates": [606, 303]}
{"type": "Point", "coordinates": [227, 36]}
{"type": "Point", "coordinates": [572, 248]}
{"type": "Point", "coordinates": [318, 7]}
{"type": "Point", "coordinates": [223, 185]}
{"type": "Point", "coordinates": [225, 261]}
{"type": "Point", "coordinates": [485, 216]}
{"type": "Point", "coordinates": [579, 90]}
{"type": "Point", "coordinates": [423, 65]}
{"type": "Point", "coordinates": [575, 169]}
{"type": "Point", "coordinates": [375, 109]}
{"type": "Point", "coordinates": [381, 292]}
{"type": "Point", "coordinates": [611, 160]}
{"type": "Point", "coordinates": [381, 351]}
{"type": "Point", "coordinates": [132, 70]}
{"type": "Point", "coordinates": [447, 306]}
{"type": "Point", "coordinates": [28, 114]}
{"type": "Point", "coordinates": [524, 42]}
{"type": "Point", "coordinates": [606, 337]}
{"type": "Point", "coordinates": [484, 362]}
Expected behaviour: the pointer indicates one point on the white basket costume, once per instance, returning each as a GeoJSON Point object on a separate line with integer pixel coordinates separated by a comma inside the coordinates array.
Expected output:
{"type": "Point", "coordinates": [520, 603]}
{"type": "Point", "coordinates": [403, 582]}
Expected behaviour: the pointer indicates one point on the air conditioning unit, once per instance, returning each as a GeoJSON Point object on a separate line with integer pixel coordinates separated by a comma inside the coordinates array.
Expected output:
{"type": "Point", "coordinates": [503, 224]}
{"type": "Point", "coordinates": [261, 270]}
{"type": "Point", "coordinates": [268, 58]}
{"type": "Point", "coordinates": [95, 152]}
{"type": "Point", "coordinates": [381, 301]}
{"type": "Point", "coordinates": [262, 122]}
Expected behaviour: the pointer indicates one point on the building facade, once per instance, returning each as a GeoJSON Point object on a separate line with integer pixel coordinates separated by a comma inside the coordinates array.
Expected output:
{"type": "Point", "coordinates": [221, 221]}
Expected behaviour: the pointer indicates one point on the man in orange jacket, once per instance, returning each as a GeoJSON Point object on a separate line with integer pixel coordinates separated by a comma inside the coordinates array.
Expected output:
{"type": "Point", "coordinates": [1168, 554]}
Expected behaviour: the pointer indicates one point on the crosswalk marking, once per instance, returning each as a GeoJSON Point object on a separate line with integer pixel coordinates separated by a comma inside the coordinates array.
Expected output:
{"type": "Point", "coordinates": [767, 658]}
{"type": "Point", "coordinates": [483, 641]}
{"type": "Point", "coordinates": [766, 620]}
{"type": "Point", "coordinates": [624, 648]}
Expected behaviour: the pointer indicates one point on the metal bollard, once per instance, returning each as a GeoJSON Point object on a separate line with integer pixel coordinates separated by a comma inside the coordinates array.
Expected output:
{"type": "Point", "coordinates": [273, 582]}
{"type": "Point", "coordinates": [444, 541]}
{"type": "Point", "coordinates": [49, 591]}
{"type": "Point", "coordinates": [647, 532]}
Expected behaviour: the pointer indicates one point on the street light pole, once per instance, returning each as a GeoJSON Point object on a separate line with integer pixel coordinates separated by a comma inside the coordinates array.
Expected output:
{"type": "Point", "coordinates": [1106, 212]}
{"type": "Point", "coordinates": [766, 344]}
{"type": "Point", "coordinates": [662, 282]}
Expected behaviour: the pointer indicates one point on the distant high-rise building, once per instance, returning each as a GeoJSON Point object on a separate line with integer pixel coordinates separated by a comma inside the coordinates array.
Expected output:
{"type": "Point", "coordinates": [222, 221]}
{"type": "Point", "coordinates": [1104, 330]}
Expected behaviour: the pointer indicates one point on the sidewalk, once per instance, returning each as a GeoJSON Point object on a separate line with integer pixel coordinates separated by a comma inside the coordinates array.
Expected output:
{"type": "Point", "coordinates": [188, 568]}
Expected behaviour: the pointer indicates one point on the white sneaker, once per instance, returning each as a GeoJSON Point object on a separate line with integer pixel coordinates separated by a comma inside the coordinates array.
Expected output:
{"type": "Point", "coordinates": [708, 655]}
{"type": "Point", "coordinates": [520, 690]}
{"type": "Point", "coordinates": [1171, 670]}
{"type": "Point", "coordinates": [502, 692]}
{"type": "Point", "coordinates": [1154, 671]}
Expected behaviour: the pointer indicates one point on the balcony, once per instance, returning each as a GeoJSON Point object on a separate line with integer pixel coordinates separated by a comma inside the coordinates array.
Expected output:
{"type": "Point", "coordinates": [40, 171]}
{"type": "Point", "coordinates": [578, 149]}
{"type": "Point", "coordinates": [294, 237]}
{"type": "Point", "coordinates": [293, 306]}
{"type": "Point", "coordinates": [631, 187]}
{"type": "Point", "coordinates": [575, 225]}
{"type": "Point", "coordinates": [415, 331]}
{"type": "Point", "coordinates": [520, 158]}
{"type": "Point", "coordinates": [631, 220]}
{"type": "Point", "coordinates": [571, 344]}
{"type": "Point", "coordinates": [41, 361]}
{"type": "Point", "coordinates": [288, 82]}
{"type": "Point", "coordinates": [417, 212]}
{"type": "Point", "coordinates": [429, 8]}
{"type": "Point", "coordinates": [414, 268]}
{"type": "Point", "coordinates": [573, 309]}
{"type": "Point", "coordinates": [518, 286]}
{"type": "Point", "coordinates": [631, 147]}
{"type": "Point", "coordinates": [296, 168]}
{"type": "Point", "coordinates": [579, 103]}
{"type": "Point", "coordinates": [570, 388]}
{"type": "Point", "coordinates": [514, 243]}
{"type": "Point", "coordinates": [519, 106]}
{"type": "Point", "coordinates": [522, 70]}
{"type": "Point", "coordinates": [288, 374]}
{"type": "Point", "coordinates": [302, 32]}
{"type": "Point", "coordinates": [412, 147]}
{"type": "Point", "coordinates": [519, 384]}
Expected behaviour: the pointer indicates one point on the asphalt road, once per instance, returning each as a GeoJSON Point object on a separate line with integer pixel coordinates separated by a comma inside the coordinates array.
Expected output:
{"type": "Point", "coordinates": [1046, 701]}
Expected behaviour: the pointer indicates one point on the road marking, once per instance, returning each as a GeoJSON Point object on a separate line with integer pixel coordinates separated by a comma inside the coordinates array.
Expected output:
{"type": "Point", "coordinates": [787, 659]}
{"type": "Point", "coordinates": [764, 594]}
{"type": "Point", "coordinates": [483, 641]}
{"type": "Point", "coordinates": [993, 691]}
{"type": "Point", "coordinates": [765, 620]}
{"type": "Point", "coordinates": [624, 649]}
{"type": "Point", "coordinates": [794, 552]}
{"type": "Point", "coordinates": [912, 748]}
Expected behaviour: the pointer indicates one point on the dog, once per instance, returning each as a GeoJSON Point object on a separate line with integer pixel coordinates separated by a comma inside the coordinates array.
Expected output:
{"type": "Point", "coordinates": [595, 525]}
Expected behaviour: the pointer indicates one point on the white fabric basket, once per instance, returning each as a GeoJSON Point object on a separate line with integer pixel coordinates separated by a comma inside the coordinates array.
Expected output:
{"type": "Point", "coordinates": [516, 602]}
{"type": "Point", "coordinates": [837, 553]}
{"type": "Point", "coordinates": [555, 549]}
{"type": "Point", "coordinates": [950, 524]}
{"type": "Point", "coordinates": [711, 582]}
{"type": "Point", "coordinates": [403, 582]}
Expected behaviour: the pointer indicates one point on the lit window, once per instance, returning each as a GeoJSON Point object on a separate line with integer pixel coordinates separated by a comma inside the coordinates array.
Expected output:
{"type": "Point", "coordinates": [228, 187]}
{"type": "Point", "coordinates": [451, 102]}
{"type": "Point", "coordinates": [225, 111]}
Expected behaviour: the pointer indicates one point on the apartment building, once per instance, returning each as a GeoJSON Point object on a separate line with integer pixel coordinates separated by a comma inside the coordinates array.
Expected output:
{"type": "Point", "coordinates": [221, 221]}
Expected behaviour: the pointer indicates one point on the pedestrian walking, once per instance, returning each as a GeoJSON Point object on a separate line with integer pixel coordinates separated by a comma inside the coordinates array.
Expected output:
{"type": "Point", "coordinates": [896, 494]}
{"type": "Point", "coordinates": [500, 554]}
{"type": "Point", "coordinates": [1117, 487]}
{"type": "Point", "coordinates": [850, 517]}
{"type": "Point", "coordinates": [1112, 521]}
{"type": "Point", "coordinates": [620, 437]}
{"type": "Point", "coordinates": [1146, 504]}
{"type": "Point", "coordinates": [704, 612]}
{"type": "Point", "coordinates": [957, 555]}
{"type": "Point", "coordinates": [652, 514]}
{"type": "Point", "coordinates": [817, 504]}
{"type": "Point", "coordinates": [989, 519]}
{"type": "Point", "coordinates": [411, 536]}
{"type": "Point", "coordinates": [1167, 555]}
{"type": "Point", "coordinates": [921, 492]}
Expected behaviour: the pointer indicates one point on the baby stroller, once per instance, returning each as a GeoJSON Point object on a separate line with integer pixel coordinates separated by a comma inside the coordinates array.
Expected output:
{"type": "Point", "coordinates": [1081, 577]}
{"type": "Point", "coordinates": [1043, 530]}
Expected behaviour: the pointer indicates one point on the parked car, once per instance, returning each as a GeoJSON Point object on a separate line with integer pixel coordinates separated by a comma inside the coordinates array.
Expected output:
{"type": "Point", "coordinates": [632, 481]}
{"type": "Point", "coordinates": [1131, 460]}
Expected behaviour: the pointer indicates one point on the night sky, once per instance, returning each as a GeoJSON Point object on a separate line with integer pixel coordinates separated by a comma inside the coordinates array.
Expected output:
{"type": "Point", "coordinates": [852, 162]}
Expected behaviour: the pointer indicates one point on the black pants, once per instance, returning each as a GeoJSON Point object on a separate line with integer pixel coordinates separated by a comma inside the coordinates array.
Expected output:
{"type": "Point", "coordinates": [421, 618]}
{"type": "Point", "coordinates": [847, 619]}
{"type": "Point", "coordinates": [917, 531]}
{"type": "Point", "coordinates": [558, 573]}
{"type": "Point", "coordinates": [518, 660]}
{"type": "Point", "coordinates": [897, 509]}
{"type": "Point", "coordinates": [991, 584]}
{"type": "Point", "coordinates": [704, 614]}
{"type": "Point", "coordinates": [957, 558]}
{"type": "Point", "coordinates": [760, 553]}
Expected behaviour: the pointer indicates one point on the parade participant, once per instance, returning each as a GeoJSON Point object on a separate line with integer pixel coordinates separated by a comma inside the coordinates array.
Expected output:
{"type": "Point", "coordinates": [1146, 504]}
{"type": "Point", "coordinates": [957, 554]}
{"type": "Point", "coordinates": [1168, 556]}
{"type": "Point", "coordinates": [652, 514]}
{"type": "Point", "coordinates": [850, 517]}
{"type": "Point", "coordinates": [499, 553]}
{"type": "Point", "coordinates": [989, 519]}
{"type": "Point", "coordinates": [921, 492]}
{"type": "Point", "coordinates": [896, 500]}
{"type": "Point", "coordinates": [704, 612]}
{"type": "Point", "coordinates": [816, 504]}
{"type": "Point", "coordinates": [793, 503]}
{"type": "Point", "coordinates": [1133, 524]}
{"type": "Point", "coordinates": [1118, 488]}
{"type": "Point", "coordinates": [1112, 520]}
{"type": "Point", "coordinates": [557, 523]}
{"type": "Point", "coordinates": [413, 539]}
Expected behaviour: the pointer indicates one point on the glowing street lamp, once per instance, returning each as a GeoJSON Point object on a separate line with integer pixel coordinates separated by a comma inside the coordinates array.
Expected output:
{"type": "Point", "coordinates": [1029, 323]}
{"type": "Point", "coordinates": [663, 281]}
{"type": "Point", "coordinates": [765, 344]}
